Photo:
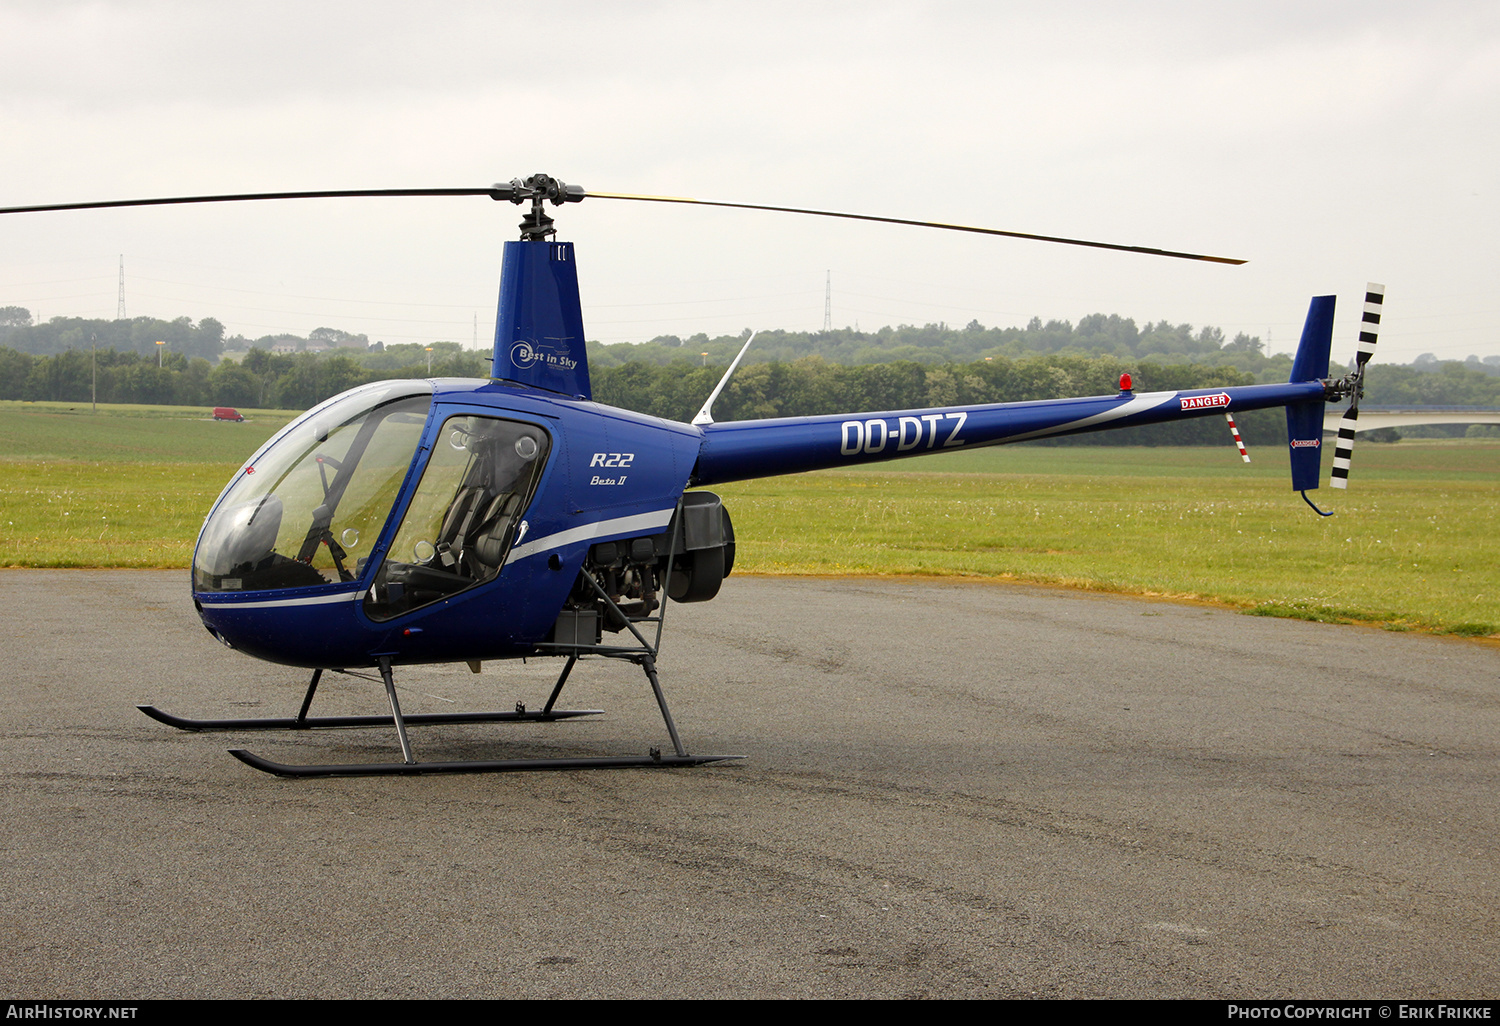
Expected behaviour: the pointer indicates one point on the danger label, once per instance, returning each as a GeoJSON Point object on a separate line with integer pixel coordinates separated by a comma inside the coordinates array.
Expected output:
{"type": "Point", "coordinates": [1204, 402]}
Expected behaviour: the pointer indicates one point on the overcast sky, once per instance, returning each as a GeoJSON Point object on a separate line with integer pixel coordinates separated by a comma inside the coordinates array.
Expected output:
{"type": "Point", "coordinates": [1327, 143]}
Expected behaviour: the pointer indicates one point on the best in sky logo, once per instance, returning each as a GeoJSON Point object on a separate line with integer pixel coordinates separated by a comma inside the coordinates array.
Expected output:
{"type": "Point", "coordinates": [527, 354]}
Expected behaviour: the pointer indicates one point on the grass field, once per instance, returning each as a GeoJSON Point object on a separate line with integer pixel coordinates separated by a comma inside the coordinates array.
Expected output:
{"type": "Point", "coordinates": [1412, 544]}
{"type": "Point", "coordinates": [134, 434]}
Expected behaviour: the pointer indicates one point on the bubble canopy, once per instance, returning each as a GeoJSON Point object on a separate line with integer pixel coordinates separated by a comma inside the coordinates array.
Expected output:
{"type": "Point", "coordinates": [305, 510]}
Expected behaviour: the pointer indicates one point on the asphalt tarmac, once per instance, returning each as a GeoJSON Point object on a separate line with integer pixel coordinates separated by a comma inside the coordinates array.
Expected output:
{"type": "Point", "coordinates": [950, 790]}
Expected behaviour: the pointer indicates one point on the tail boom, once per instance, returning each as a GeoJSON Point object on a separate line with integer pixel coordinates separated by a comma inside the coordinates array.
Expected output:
{"type": "Point", "coordinates": [742, 450]}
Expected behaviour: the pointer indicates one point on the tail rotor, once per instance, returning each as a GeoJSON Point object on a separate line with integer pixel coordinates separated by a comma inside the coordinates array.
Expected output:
{"type": "Point", "coordinates": [1353, 385]}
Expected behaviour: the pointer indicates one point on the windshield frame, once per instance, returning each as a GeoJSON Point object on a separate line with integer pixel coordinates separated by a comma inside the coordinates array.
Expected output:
{"type": "Point", "coordinates": [265, 475]}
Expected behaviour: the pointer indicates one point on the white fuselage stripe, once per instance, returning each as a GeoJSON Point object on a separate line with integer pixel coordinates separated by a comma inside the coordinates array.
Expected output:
{"type": "Point", "coordinates": [311, 600]}
{"type": "Point", "coordinates": [1137, 404]}
{"type": "Point", "coordinates": [637, 524]}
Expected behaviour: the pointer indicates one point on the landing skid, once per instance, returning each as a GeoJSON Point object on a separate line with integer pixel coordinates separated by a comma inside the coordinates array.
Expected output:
{"type": "Point", "coordinates": [644, 657]}
{"type": "Point", "coordinates": [402, 769]}
{"type": "Point", "coordinates": [326, 722]}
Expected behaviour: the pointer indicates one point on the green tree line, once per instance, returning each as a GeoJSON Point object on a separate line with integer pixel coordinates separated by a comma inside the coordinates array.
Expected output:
{"type": "Point", "coordinates": [807, 386]}
{"type": "Point", "coordinates": [1094, 335]}
{"type": "Point", "coordinates": [292, 381]}
{"type": "Point", "coordinates": [803, 387]}
{"type": "Point", "coordinates": [1162, 343]}
{"type": "Point", "coordinates": [812, 385]}
{"type": "Point", "coordinates": [138, 335]}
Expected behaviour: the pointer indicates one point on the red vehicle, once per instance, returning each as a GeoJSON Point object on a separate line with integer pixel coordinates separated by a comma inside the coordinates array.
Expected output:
{"type": "Point", "coordinates": [228, 413]}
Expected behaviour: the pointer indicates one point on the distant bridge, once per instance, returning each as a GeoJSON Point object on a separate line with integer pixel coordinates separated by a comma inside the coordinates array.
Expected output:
{"type": "Point", "coordinates": [1372, 417]}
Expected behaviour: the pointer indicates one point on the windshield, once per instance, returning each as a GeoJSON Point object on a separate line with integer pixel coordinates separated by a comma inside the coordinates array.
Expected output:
{"type": "Point", "coordinates": [307, 508]}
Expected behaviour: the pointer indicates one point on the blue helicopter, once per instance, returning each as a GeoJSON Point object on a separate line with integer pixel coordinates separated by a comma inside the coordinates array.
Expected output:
{"type": "Point", "coordinates": [454, 520]}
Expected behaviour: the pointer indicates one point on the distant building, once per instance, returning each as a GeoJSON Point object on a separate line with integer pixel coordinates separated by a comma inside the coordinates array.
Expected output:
{"type": "Point", "coordinates": [333, 338]}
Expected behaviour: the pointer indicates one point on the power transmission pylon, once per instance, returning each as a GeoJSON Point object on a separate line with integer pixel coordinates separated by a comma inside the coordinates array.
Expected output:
{"type": "Point", "coordinates": [120, 307]}
{"type": "Point", "coordinates": [827, 301]}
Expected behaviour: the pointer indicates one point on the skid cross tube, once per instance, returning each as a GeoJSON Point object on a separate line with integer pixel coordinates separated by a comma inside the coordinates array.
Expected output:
{"type": "Point", "coordinates": [649, 665]}
{"type": "Point", "coordinates": [411, 766]}
{"type": "Point", "coordinates": [561, 680]}
{"type": "Point", "coordinates": [390, 692]}
{"type": "Point", "coordinates": [312, 686]}
{"type": "Point", "coordinates": [644, 657]}
{"type": "Point", "coordinates": [666, 581]}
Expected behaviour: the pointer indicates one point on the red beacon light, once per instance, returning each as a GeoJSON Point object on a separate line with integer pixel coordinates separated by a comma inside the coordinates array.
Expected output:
{"type": "Point", "coordinates": [1125, 383]}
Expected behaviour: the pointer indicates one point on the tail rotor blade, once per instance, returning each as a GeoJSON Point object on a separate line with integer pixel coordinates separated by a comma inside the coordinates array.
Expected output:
{"type": "Point", "coordinates": [1369, 328]}
{"type": "Point", "coordinates": [1344, 449]}
{"type": "Point", "coordinates": [1369, 333]}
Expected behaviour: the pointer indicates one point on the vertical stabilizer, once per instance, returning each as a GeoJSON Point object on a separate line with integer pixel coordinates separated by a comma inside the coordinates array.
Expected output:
{"type": "Point", "coordinates": [1311, 361]}
{"type": "Point", "coordinates": [1304, 421]}
{"type": "Point", "coordinates": [539, 328]}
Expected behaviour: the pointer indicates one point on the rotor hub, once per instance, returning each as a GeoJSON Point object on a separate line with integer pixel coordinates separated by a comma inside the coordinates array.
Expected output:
{"type": "Point", "coordinates": [540, 189]}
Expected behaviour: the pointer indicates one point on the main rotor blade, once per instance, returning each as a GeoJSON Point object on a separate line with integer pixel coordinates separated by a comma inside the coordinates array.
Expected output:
{"type": "Point", "coordinates": [504, 191]}
{"type": "Point", "coordinates": [498, 192]}
{"type": "Point", "coordinates": [1149, 251]}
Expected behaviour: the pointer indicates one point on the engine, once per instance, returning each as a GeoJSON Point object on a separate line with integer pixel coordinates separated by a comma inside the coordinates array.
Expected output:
{"type": "Point", "coordinates": [688, 561]}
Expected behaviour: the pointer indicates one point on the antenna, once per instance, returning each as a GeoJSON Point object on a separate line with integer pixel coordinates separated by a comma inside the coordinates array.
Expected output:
{"type": "Point", "coordinates": [827, 301]}
{"type": "Point", "coordinates": [120, 307]}
{"type": "Point", "coordinates": [706, 415]}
